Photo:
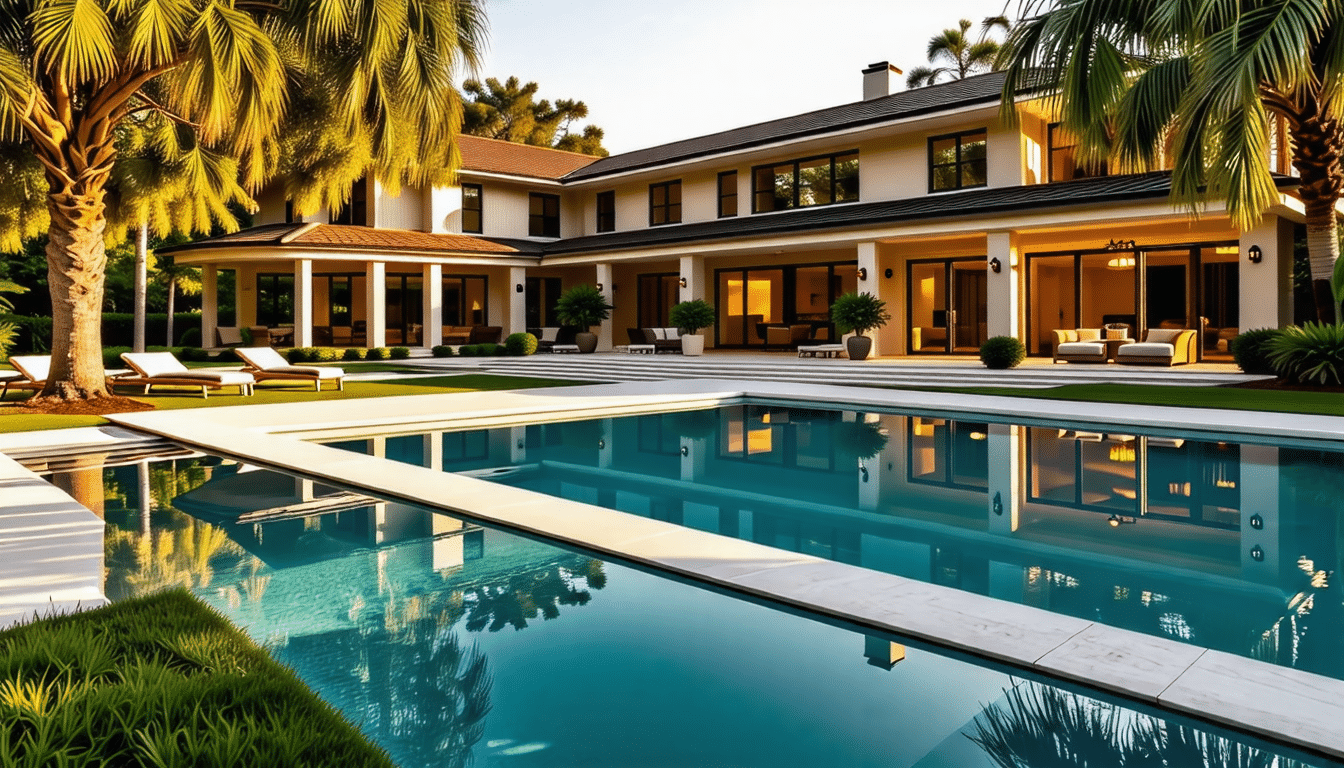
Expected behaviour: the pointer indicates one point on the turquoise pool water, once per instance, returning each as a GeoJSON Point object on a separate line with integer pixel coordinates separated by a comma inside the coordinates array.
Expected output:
{"type": "Point", "coordinates": [451, 644]}
{"type": "Point", "coordinates": [1228, 545]}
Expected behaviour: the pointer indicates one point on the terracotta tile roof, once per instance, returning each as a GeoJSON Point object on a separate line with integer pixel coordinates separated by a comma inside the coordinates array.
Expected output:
{"type": "Point", "coordinates": [506, 157]}
{"type": "Point", "coordinates": [343, 237]}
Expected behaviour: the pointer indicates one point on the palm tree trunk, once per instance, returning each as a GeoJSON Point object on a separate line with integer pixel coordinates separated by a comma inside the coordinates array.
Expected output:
{"type": "Point", "coordinates": [76, 265]}
{"type": "Point", "coordinates": [1317, 154]}
{"type": "Point", "coordinates": [172, 294]}
{"type": "Point", "coordinates": [141, 285]}
{"type": "Point", "coordinates": [1322, 250]}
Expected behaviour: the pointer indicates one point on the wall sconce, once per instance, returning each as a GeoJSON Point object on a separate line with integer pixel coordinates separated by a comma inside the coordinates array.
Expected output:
{"type": "Point", "coordinates": [599, 286]}
{"type": "Point", "coordinates": [888, 273]}
{"type": "Point", "coordinates": [682, 282]}
{"type": "Point", "coordinates": [863, 273]}
{"type": "Point", "coordinates": [518, 288]}
{"type": "Point", "coordinates": [1255, 254]}
{"type": "Point", "coordinates": [1257, 522]}
{"type": "Point", "coordinates": [1257, 554]}
{"type": "Point", "coordinates": [1115, 521]}
{"type": "Point", "coordinates": [998, 503]}
{"type": "Point", "coordinates": [685, 450]}
{"type": "Point", "coordinates": [995, 265]}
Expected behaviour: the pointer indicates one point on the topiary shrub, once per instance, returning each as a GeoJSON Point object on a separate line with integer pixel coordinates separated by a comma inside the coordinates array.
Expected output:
{"type": "Point", "coordinates": [301, 355]}
{"type": "Point", "coordinates": [520, 344]}
{"type": "Point", "coordinates": [191, 337]}
{"type": "Point", "coordinates": [1312, 353]}
{"type": "Point", "coordinates": [401, 353]}
{"type": "Point", "coordinates": [328, 354]}
{"type": "Point", "coordinates": [1251, 350]}
{"type": "Point", "coordinates": [352, 354]}
{"type": "Point", "coordinates": [499, 350]}
{"type": "Point", "coordinates": [1002, 352]}
{"type": "Point", "coordinates": [378, 353]}
{"type": "Point", "coordinates": [442, 350]}
{"type": "Point", "coordinates": [468, 350]}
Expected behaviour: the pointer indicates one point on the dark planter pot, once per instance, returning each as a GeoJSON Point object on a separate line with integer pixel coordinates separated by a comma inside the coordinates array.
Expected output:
{"type": "Point", "coordinates": [858, 347]}
{"type": "Point", "coordinates": [587, 342]}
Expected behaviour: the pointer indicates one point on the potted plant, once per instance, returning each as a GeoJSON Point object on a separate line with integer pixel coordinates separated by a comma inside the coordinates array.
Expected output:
{"type": "Point", "coordinates": [583, 306]}
{"type": "Point", "coordinates": [691, 316]}
{"type": "Point", "coordinates": [860, 313]}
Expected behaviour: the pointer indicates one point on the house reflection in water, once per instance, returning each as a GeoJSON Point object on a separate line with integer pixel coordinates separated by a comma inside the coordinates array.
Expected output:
{"type": "Point", "coordinates": [1225, 545]}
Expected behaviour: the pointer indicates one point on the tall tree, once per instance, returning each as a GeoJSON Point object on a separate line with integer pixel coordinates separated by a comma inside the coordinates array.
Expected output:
{"type": "Point", "coordinates": [106, 98]}
{"type": "Point", "coordinates": [952, 52]}
{"type": "Point", "coordinates": [1204, 77]}
{"type": "Point", "coordinates": [509, 111]}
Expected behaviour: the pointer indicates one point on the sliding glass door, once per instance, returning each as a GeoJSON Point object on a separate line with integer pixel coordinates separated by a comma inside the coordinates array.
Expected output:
{"type": "Point", "coordinates": [948, 306]}
{"type": "Point", "coordinates": [750, 301]}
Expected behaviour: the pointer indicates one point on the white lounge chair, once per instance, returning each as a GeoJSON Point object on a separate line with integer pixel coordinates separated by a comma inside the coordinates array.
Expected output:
{"type": "Point", "coordinates": [30, 372]}
{"type": "Point", "coordinates": [264, 363]}
{"type": "Point", "coordinates": [151, 369]}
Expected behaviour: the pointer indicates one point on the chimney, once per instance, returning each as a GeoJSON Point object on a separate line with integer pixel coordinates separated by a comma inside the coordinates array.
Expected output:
{"type": "Point", "coordinates": [877, 80]}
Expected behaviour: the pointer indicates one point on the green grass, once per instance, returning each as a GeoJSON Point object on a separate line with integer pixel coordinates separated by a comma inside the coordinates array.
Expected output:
{"type": "Point", "coordinates": [281, 392]}
{"type": "Point", "coordinates": [1279, 401]}
{"type": "Point", "coordinates": [160, 680]}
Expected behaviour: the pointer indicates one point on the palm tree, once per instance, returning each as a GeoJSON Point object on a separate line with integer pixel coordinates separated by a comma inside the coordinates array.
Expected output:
{"type": "Point", "coordinates": [1133, 77]}
{"type": "Point", "coordinates": [104, 92]}
{"type": "Point", "coordinates": [964, 57]}
{"type": "Point", "coordinates": [176, 277]}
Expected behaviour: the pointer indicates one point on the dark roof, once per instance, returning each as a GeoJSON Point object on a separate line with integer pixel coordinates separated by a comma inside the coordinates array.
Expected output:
{"type": "Point", "coordinates": [339, 237]}
{"type": "Point", "coordinates": [975, 202]}
{"type": "Point", "coordinates": [957, 93]}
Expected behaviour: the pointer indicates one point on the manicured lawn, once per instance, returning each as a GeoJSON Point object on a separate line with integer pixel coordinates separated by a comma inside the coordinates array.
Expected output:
{"type": "Point", "coordinates": [161, 680]}
{"type": "Point", "coordinates": [12, 420]}
{"type": "Point", "coordinates": [1323, 403]}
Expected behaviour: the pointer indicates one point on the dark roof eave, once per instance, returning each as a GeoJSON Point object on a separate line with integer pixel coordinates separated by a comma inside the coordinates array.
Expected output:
{"type": "Point", "coordinates": [203, 245]}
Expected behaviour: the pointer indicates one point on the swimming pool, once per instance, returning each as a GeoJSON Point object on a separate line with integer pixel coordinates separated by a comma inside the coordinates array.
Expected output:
{"type": "Point", "coordinates": [1227, 545]}
{"type": "Point", "coordinates": [449, 642]}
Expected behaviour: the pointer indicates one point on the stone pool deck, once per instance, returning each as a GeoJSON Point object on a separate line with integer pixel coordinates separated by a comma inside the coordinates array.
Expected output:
{"type": "Point", "coordinates": [1278, 703]}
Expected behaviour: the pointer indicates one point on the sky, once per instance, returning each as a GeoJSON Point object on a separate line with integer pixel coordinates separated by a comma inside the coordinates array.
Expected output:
{"type": "Point", "coordinates": [651, 73]}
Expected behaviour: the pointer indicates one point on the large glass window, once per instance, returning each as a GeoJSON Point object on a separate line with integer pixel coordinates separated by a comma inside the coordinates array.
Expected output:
{"type": "Point", "coordinates": [657, 295]}
{"type": "Point", "coordinates": [802, 183]}
{"type": "Point", "coordinates": [757, 304]}
{"type": "Point", "coordinates": [665, 203]}
{"type": "Point", "coordinates": [471, 209]}
{"type": "Point", "coordinates": [275, 299]}
{"type": "Point", "coordinates": [543, 215]}
{"type": "Point", "coordinates": [405, 309]}
{"type": "Point", "coordinates": [727, 194]}
{"type": "Point", "coordinates": [606, 211]}
{"type": "Point", "coordinates": [957, 161]}
{"type": "Point", "coordinates": [464, 300]}
{"type": "Point", "coordinates": [948, 453]}
{"type": "Point", "coordinates": [539, 302]}
{"type": "Point", "coordinates": [340, 300]}
{"type": "Point", "coordinates": [1064, 163]}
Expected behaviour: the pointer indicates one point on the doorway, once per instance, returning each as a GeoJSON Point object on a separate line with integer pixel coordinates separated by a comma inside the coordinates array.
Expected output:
{"type": "Point", "coordinates": [948, 306]}
{"type": "Point", "coordinates": [657, 294]}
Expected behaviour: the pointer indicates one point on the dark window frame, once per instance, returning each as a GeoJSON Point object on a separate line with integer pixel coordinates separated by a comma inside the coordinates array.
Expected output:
{"type": "Point", "coordinates": [1051, 148]}
{"type": "Point", "coordinates": [355, 212]}
{"type": "Point", "coordinates": [667, 205]}
{"type": "Point", "coordinates": [606, 211]}
{"type": "Point", "coordinates": [723, 196]}
{"type": "Point", "coordinates": [797, 164]}
{"type": "Point", "coordinates": [271, 316]}
{"type": "Point", "coordinates": [546, 223]}
{"type": "Point", "coordinates": [960, 162]}
{"type": "Point", "coordinates": [462, 309]}
{"type": "Point", "coordinates": [478, 209]}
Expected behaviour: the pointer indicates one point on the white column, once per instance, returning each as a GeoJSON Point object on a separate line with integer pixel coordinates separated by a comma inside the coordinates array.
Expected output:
{"type": "Point", "coordinates": [1004, 289]}
{"type": "Point", "coordinates": [432, 450]}
{"type": "Point", "coordinates": [693, 272]}
{"type": "Point", "coordinates": [1005, 475]}
{"type": "Point", "coordinates": [303, 302]}
{"type": "Point", "coordinates": [517, 301]}
{"type": "Point", "coordinates": [867, 253]}
{"type": "Point", "coordinates": [604, 278]}
{"type": "Point", "coordinates": [209, 304]}
{"type": "Point", "coordinates": [1267, 287]}
{"type": "Point", "coordinates": [375, 302]}
{"type": "Point", "coordinates": [432, 285]}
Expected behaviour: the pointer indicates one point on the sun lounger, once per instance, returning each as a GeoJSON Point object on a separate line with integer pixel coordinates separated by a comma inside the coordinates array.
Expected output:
{"type": "Point", "coordinates": [151, 369]}
{"type": "Point", "coordinates": [30, 372]}
{"type": "Point", "coordinates": [265, 364]}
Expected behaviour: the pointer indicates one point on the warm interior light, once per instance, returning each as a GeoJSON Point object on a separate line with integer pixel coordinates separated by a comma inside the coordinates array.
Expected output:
{"type": "Point", "coordinates": [1114, 521]}
{"type": "Point", "coordinates": [978, 436]}
{"type": "Point", "coordinates": [1226, 250]}
{"type": "Point", "coordinates": [1122, 453]}
{"type": "Point", "coordinates": [1121, 262]}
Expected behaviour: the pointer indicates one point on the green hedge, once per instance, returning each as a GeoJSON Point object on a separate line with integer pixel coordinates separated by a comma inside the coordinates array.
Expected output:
{"type": "Point", "coordinates": [162, 680]}
{"type": "Point", "coordinates": [118, 330]}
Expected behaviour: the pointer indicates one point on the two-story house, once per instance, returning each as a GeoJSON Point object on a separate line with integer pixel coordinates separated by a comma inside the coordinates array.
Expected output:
{"type": "Point", "coordinates": [966, 226]}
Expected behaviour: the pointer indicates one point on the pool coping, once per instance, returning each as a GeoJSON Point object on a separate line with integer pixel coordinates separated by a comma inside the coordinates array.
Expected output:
{"type": "Point", "coordinates": [1278, 703]}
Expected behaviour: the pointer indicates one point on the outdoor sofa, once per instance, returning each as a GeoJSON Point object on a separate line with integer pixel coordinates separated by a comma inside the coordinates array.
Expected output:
{"type": "Point", "coordinates": [1162, 346]}
{"type": "Point", "coordinates": [265, 364]}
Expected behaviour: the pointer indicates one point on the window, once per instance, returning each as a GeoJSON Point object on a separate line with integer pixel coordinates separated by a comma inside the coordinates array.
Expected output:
{"type": "Point", "coordinates": [471, 208]}
{"type": "Point", "coordinates": [727, 194]}
{"type": "Point", "coordinates": [275, 299]}
{"type": "Point", "coordinates": [606, 211]}
{"type": "Point", "coordinates": [543, 215]}
{"type": "Point", "coordinates": [665, 203]}
{"type": "Point", "coordinates": [289, 213]}
{"type": "Point", "coordinates": [803, 183]}
{"type": "Point", "coordinates": [340, 299]}
{"type": "Point", "coordinates": [356, 210]}
{"type": "Point", "coordinates": [1064, 163]}
{"type": "Point", "coordinates": [957, 161]}
{"type": "Point", "coordinates": [465, 300]}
